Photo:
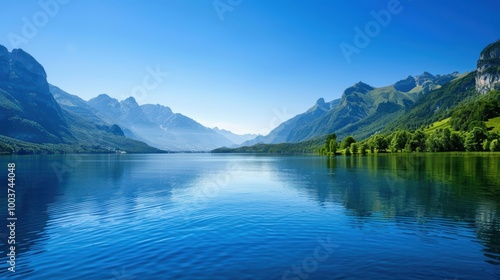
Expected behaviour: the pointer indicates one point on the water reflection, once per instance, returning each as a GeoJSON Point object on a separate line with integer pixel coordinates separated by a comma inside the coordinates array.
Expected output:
{"type": "Point", "coordinates": [447, 190]}
{"type": "Point", "coordinates": [216, 206]}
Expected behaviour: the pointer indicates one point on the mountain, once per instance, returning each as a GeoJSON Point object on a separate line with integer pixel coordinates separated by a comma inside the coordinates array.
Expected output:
{"type": "Point", "coordinates": [437, 104]}
{"type": "Point", "coordinates": [463, 91]}
{"type": "Point", "coordinates": [285, 132]}
{"type": "Point", "coordinates": [361, 111]}
{"type": "Point", "coordinates": [28, 111]}
{"type": "Point", "coordinates": [237, 139]}
{"type": "Point", "coordinates": [77, 106]}
{"type": "Point", "coordinates": [157, 125]}
{"type": "Point", "coordinates": [455, 112]}
{"type": "Point", "coordinates": [34, 122]}
{"type": "Point", "coordinates": [488, 69]}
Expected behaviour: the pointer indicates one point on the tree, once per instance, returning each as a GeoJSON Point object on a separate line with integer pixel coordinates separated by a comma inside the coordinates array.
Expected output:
{"type": "Point", "coordinates": [354, 148]}
{"type": "Point", "coordinates": [399, 140]}
{"type": "Point", "coordinates": [417, 140]}
{"type": "Point", "coordinates": [439, 141]}
{"type": "Point", "coordinates": [495, 145]}
{"type": "Point", "coordinates": [380, 143]}
{"type": "Point", "coordinates": [486, 145]}
{"type": "Point", "coordinates": [474, 139]}
{"type": "Point", "coordinates": [363, 148]}
{"type": "Point", "coordinates": [331, 143]}
{"type": "Point", "coordinates": [457, 141]}
{"type": "Point", "coordinates": [347, 142]}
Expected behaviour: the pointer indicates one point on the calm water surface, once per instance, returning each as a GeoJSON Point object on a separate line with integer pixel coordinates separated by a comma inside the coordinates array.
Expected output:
{"type": "Point", "coordinates": [205, 216]}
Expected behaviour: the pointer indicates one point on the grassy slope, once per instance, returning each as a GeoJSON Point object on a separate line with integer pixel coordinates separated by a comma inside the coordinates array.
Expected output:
{"type": "Point", "coordinates": [494, 124]}
{"type": "Point", "coordinates": [438, 125]}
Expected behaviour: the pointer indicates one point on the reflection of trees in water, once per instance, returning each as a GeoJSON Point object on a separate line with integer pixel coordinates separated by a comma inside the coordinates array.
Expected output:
{"type": "Point", "coordinates": [416, 187]}
{"type": "Point", "coordinates": [487, 223]}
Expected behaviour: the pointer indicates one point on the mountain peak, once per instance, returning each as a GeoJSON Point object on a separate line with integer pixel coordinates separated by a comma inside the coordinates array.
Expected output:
{"type": "Point", "coordinates": [488, 69]}
{"type": "Point", "coordinates": [130, 101]}
{"type": "Point", "coordinates": [359, 87]}
{"type": "Point", "coordinates": [3, 50]}
{"type": "Point", "coordinates": [406, 85]}
{"type": "Point", "coordinates": [103, 96]}
{"type": "Point", "coordinates": [320, 101]}
{"type": "Point", "coordinates": [491, 51]}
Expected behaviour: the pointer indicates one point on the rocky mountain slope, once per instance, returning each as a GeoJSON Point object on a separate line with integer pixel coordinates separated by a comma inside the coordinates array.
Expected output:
{"type": "Point", "coordinates": [361, 111]}
{"type": "Point", "coordinates": [488, 69]}
{"type": "Point", "coordinates": [157, 125]}
{"type": "Point", "coordinates": [34, 122]}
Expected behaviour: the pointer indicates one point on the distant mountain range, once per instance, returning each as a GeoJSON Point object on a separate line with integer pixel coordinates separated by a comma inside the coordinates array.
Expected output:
{"type": "Point", "coordinates": [158, 126]}
{"type": "Point", "coordinates": [41, 118]}
{"type": "Point", "coordinates": [411, 103]}
{"type": "Point", "coordinates": [361, 111]}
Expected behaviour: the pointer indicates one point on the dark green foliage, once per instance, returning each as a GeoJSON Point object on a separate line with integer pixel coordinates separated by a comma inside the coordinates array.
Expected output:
{"type": "Point", "coordinates": [354, 148]}
{"type": "Point", "coordinates": [346, 143]}
{"type": "Point", "coordinates": [379, 143]}
{"type": "Point", "coordinates": [475, 112]}
{"type": "Point", "coordinates": [331, 144]}
{"type": "Point", "coordinates": [474, 140]}
{"type": "Point", "coordinates": [399, 140]}
{"type": "Point", "coordinates": [417, 141]}
{"type": "Point", "coordinates": [441, 140]}
{"type": "Point", "coordinates": [306, 147]}
{"type": "Point", "coordinates": [437, 104]}
{"type": "Point", "coordinates": [363, 148]}
{"type": "Point", "coordinates": [495, 145]}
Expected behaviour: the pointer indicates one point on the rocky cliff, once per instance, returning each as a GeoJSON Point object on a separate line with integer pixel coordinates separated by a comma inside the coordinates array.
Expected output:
{"type": "Point", "coordinates": [488, 69]}
{"type": "Point", "coordinates": [28, 111]}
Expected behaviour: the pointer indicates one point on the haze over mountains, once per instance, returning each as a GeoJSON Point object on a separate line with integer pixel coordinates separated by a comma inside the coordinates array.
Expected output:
{"type": "Point", "coordinates": [33, 111]}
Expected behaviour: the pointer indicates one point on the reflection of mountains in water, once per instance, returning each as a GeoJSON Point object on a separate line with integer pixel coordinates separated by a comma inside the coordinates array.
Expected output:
{"type": "Point", "coordinates": [434, 192]}
{"type": "Point", "coordinates": [60, 195]}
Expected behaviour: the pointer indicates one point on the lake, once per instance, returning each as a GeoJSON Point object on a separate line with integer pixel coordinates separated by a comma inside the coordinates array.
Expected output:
{"type": "Point", "coordinates": [216, 216]}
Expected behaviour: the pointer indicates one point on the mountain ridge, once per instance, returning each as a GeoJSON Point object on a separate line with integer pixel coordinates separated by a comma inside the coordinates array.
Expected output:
{"type": "Point", "coordinates": [362, 110]}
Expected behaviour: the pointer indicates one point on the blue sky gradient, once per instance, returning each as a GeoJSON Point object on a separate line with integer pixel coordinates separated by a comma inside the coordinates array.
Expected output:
{"type": "Point", "coordinates": [251, 66]}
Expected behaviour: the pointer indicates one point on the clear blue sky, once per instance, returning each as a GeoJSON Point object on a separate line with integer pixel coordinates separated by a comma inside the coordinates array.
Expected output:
{"type": "Point", "coordinates": [262, 62]}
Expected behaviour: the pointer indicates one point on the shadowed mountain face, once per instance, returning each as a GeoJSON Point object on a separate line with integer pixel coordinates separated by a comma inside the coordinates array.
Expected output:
{"type": "Point", "coordinates": [361, 111]}
{"type": "Point", "coordinates": [157, 125]}
{"type": "Point", "coordinates": [28, 111]}
{"type": "Point", "coordinates": [32, 118]}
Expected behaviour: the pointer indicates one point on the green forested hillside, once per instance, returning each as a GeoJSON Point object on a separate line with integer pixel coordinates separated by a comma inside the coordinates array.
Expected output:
{"type": "Point", "coordinates": [437, 104]}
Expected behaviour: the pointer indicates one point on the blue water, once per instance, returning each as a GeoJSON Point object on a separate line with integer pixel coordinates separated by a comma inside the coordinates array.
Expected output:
{"type": "Point", "coordinates": [208, 216]}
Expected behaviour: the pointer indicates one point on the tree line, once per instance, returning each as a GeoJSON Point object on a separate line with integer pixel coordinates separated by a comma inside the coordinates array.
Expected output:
{"type": "Point", "coordinates": [441, 140]}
